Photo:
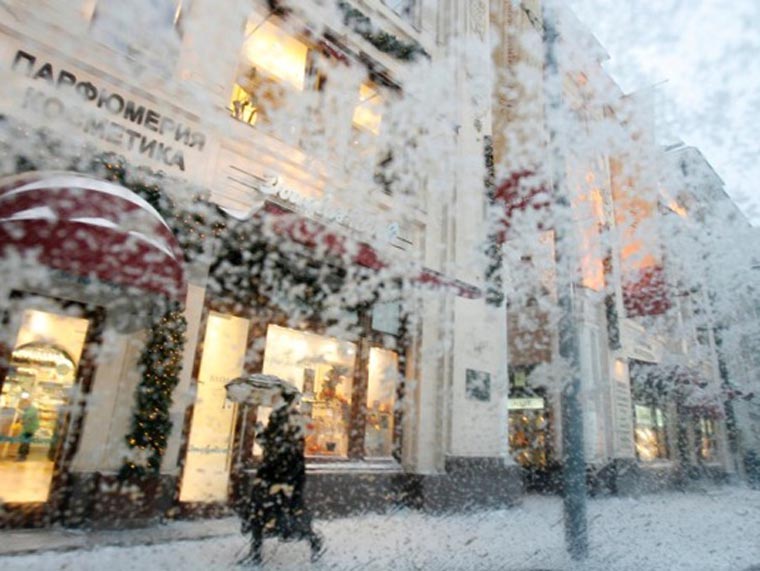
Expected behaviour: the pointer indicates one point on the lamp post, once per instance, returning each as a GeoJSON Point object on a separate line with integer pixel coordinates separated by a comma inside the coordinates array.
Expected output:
{"type": "Point", "coordinates": [566, 254]}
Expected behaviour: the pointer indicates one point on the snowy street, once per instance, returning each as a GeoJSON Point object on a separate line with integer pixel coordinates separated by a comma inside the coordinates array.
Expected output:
{"type": "Point", "coordinates": [713, 530]}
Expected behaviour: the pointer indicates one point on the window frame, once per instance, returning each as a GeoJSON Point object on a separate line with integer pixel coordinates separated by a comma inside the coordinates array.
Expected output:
{"type": "Point", "coordinates": [661, 432]}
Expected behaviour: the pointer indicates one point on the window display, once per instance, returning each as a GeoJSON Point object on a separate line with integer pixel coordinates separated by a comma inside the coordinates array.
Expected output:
{"type": "Point", "coordinates": [34, 401]}
{"type": "Point", "coordinates": [650, 432]}
{"type": "Point", "coordinates": [322, 368]}
{"type": "Point", "coordinates": [381, 399]}
{"type": "Point", "coordinates": [704, 431]}
{"type": "Point", "coordinates": [207, 463]}
{"type": "Point", "coordinates": [529, 437]}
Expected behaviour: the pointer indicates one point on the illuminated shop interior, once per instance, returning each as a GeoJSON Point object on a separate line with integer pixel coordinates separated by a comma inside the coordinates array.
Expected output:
{"type": "Point", "coordinates": [650, 436]}
{"type": "Point", "coordinates": [34, 401]}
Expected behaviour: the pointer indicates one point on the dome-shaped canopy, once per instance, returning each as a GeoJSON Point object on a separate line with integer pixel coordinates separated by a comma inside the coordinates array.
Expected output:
{"type": "Point", "coordinates": [90, 229]}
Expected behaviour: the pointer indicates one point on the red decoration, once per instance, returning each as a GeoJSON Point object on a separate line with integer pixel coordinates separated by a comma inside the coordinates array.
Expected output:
{"type": "Point", "coordinates": [521, 191]}
{"type": "Point", "coordinates": [317, 236]}
{"type": "Point", "coordinates": [645, 292]}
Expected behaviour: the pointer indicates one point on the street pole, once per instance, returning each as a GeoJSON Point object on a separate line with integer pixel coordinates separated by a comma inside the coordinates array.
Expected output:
{"type": "Point", "coordinates": [566, 255]}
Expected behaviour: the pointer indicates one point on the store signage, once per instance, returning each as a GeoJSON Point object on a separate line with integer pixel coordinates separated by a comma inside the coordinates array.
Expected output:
{"type": "Point", "coordinates": [107, 115]}
{"type": "Point", "coordinates": [529, 403]}
{"type": "Point", "coordinates": [356, 220]}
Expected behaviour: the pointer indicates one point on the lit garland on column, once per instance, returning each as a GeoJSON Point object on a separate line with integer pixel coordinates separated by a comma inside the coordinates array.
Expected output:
{"type": "Point", "coordinates": [161, 363]}
{"type": "Point", "coordinates": [494, 254]}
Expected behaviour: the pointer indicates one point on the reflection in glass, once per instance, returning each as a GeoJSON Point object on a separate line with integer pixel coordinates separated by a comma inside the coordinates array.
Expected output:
{"type": "Point", "coordinates": [381, 398]}
{"type": "Point", "coordinates": [323, 370]}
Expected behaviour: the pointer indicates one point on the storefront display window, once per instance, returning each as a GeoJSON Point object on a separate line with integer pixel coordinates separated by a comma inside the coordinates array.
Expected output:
{"type": "Point", "coordinates": [34, 402]}
{"type": "Point", "coordinates": [209, 455]}
{"type": "Point", "coordinates": [381, 397]}
{"type": "Point", "coordinates": [529, 432]}
{"type": "Point", "coordinates": [705, 438]}
{"type": "Point", "coordinates": [323, 370]}
{"type": "Point", "coordinates": [650, 432]}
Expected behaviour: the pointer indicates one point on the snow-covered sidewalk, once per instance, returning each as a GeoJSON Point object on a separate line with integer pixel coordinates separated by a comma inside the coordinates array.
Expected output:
{"type": "Point", "coordinates": [714, 530]}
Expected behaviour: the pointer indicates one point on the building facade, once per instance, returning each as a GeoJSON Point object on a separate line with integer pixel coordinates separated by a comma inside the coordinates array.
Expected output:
{"type": "Point", "coordinates": [262, 188]}
{"type": "Point", "coordinates": [653, 407]}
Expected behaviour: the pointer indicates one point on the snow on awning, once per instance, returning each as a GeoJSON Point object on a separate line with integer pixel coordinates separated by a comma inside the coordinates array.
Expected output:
{"type": "Point", "coordinates": [90, 228]}
{"type": "Point", "coordinates": [316, 235]}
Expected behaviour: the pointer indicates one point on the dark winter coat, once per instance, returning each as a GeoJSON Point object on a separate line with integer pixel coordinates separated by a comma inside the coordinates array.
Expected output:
{"type": "Point", "coordinates": [276, 505]}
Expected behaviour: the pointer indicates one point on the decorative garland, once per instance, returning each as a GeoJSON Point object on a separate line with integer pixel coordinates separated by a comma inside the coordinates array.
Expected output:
{"type": "Point", "coordinates": [383, 41]}
{"type": "Point", "coordinates": [494, 254]}
{"type": "Point", "coordinates": [161, 364]}
{"type": "Point", "coordinates": [360, 23]}
{"type": "Point", "coordinates": [252, 269]}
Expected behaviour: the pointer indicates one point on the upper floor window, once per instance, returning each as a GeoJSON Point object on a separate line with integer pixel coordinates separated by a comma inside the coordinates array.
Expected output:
{"type": "Point", "coordinates": [272, 66]}
{"type": "Point", "coordinates": [650, 432]}
{"type": "Point", "coordinates": [147, 28]}
{"type": "Point", "coordinates": [368, 113]}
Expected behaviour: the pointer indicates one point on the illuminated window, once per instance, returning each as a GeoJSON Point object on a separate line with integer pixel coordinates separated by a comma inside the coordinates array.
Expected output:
{"type": "Point", "coordinates": [206, 470]}
{"type": "Point", "coordinates": [35, 396]}
{"type": "Point", "coordinates": [381, 399]}
{"type": "Point", "coordinates": [650, 433]}
{"type": "Point", "coordinates": [704, 432]}
{"type": "Point", "coordinates": [324, 370]}
{"type": "Point", "coordinates": [272, 64]}
{"type": "Point", "coordinates": [368, 113]}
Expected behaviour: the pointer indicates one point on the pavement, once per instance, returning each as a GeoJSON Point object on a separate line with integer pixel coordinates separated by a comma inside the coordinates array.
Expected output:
{"type": "Point", "coordinates": [714, 529]}
{"type": "Point", "coordinates": [34, 541]}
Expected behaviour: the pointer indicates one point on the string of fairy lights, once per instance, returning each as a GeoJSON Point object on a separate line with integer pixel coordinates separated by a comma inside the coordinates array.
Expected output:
{"type": "Point", "coordinates": [161, 364]}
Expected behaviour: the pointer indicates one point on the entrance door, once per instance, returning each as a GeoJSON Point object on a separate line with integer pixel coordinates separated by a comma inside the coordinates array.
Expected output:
{"type": "Point", "coordinates": [46, 353]}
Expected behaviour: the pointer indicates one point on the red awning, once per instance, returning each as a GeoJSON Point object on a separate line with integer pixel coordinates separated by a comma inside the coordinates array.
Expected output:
{"type": "Point", "coordinates": [91, 229]}
{"type": "Point", "coordinates": [521, 191]}
{"type": "Point", "coordinates": [645, 291]}
{"type": "Point", "coordinates": [313, 234]}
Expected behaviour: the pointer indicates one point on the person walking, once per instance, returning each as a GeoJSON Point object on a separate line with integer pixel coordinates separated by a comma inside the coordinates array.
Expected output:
{"type": "Point", "coordinates": [30, 423]}
{"type": "Point", "coordinates": [276, 506]}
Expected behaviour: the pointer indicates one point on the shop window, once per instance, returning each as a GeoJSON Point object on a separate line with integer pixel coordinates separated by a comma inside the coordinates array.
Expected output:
{"type": "Point", "coordinates": [650, 432]}
{"type": "Point", "coordinates": [34, 401]}
{"type": "Point", "coordinates": [273, 66]}
{"type": "Point", "coordinates": [530, 430]}
{"type": "Point", "coordinates": [381, 399]}
{"type": "Point", "coordinates": [208, 460]}
{"type": "Point", "coordinates": [704, 431]}
{"type": "Point", "coordinates": [324, 370]}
